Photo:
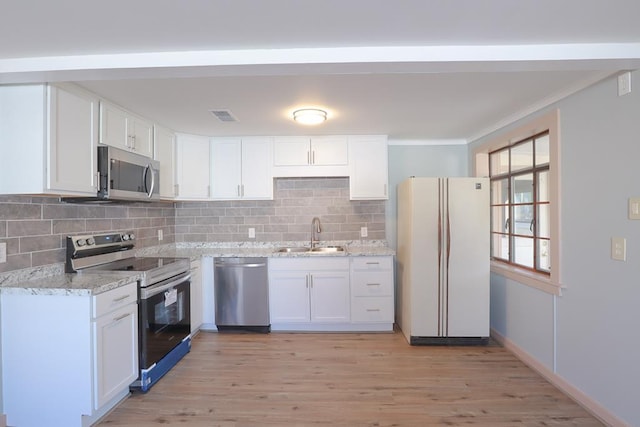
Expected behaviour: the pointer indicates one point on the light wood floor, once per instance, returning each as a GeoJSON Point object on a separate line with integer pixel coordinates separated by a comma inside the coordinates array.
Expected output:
{"type": "Point", "coordinates": [282, 379]}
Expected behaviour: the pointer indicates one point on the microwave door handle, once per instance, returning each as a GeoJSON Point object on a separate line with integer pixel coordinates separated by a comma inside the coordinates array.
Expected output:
{"type": "Point", "coordinates": [148, 169]}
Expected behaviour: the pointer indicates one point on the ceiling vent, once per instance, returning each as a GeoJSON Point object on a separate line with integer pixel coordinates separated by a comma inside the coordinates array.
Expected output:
{"type": "Point", "coordinates": [224, 115]}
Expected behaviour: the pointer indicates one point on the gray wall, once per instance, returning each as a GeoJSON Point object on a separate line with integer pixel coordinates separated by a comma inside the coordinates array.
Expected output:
{"type": "Point", "coordinates": [420, 160]}
{"type": "Point", "coordinates": [597, 318]}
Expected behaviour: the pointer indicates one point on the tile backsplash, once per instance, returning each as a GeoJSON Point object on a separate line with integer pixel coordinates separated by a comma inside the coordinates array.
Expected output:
{"type": "Point", "coordinates": [286, 218]}
{"type": "Point", "coordinates": [35, 228]}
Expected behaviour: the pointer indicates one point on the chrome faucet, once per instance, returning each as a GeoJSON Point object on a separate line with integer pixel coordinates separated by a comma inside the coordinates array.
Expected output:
{"type": "Point", "coordinates": [315, 228]}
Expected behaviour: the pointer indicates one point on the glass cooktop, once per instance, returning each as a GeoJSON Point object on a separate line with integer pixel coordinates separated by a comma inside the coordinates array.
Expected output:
{"type": "Point", "coordinates": [138, 264]}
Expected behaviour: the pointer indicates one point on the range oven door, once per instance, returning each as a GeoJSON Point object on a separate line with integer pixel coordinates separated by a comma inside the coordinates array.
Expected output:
{"type": "Point", "coordinates": [165, 318]}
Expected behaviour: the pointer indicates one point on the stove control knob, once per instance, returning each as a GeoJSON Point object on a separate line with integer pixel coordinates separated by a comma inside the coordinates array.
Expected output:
{"type": "Point", "coordinates": [91, 241]}
{"type": "Point", "coordinates": [132, 236]}
{"type": "Point", "coordinates": [125, 237]}
{"type": "Point", "coordinates": [81, 242]}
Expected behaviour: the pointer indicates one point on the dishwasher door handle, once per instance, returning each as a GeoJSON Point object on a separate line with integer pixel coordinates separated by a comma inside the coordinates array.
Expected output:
{"type": "Point", "coordinates": [222, 264]}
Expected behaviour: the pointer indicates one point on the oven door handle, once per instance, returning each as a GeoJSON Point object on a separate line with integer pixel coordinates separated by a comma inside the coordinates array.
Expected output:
{"type": "Point", "coordinates": [146, 293]}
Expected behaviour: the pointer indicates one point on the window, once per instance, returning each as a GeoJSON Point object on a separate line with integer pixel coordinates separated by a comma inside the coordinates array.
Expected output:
{"type": "Point", "coordinates": [519, 176]}
{"type": "Point", "coordinates": [523, 166]}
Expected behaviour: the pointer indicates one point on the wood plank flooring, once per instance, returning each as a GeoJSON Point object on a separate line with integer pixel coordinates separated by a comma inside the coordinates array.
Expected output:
{"type": "Point", "coordinates": [279, 379]}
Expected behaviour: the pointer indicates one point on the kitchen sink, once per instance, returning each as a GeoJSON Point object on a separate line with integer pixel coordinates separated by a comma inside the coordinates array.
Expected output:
{"type": "Point", "coordinates": [292, 250]}
{"type": "Point", "coordinates": [316, 250]}
{"type": "Point", "coordinates": [328, 249]}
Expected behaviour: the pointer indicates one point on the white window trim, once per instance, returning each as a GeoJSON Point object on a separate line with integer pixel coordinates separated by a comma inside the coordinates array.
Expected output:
{"type": "Point", "coordinates": [551, 122]}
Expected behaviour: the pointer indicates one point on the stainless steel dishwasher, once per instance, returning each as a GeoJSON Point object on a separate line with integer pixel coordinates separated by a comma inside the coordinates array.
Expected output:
{"type": "Point", "coordinates": [241, 292]}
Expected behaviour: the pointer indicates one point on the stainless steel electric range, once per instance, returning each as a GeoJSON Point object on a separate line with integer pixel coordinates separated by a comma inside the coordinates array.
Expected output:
{"type": "Point", "coordinates": [164, 311]}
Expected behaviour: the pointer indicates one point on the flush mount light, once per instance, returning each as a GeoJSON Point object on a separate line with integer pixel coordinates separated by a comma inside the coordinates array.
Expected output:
{"type": "Point", "coordinates": [309, 116]}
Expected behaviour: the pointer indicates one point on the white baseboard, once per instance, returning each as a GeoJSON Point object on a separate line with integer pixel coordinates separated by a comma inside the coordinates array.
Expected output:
{"type": "Point", "coordinates": [595, 408]}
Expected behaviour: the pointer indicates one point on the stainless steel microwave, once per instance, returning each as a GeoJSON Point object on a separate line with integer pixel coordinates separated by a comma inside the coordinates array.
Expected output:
{"type": "Point", "coordinates": [127, 176]}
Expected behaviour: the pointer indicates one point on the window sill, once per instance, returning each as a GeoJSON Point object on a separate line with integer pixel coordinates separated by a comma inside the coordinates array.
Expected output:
{"type": "Point", "coordinates": [526, 277]}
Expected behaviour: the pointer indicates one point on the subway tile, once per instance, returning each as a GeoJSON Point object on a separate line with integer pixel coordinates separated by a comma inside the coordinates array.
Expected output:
{"type": "Point", "coordinates": [16, 262]}
{"type": "Point", "coordinates": [141, 222]}
{"type": "Point", "coordinates": [28, 228]}
{"type": "Point", "coordinates": [238, 211]}
{"type": "Point", "coordinates": [232, 220]}
{"type": "Point", "coordinates": [207, 220]}
{"type": "Point", "coordinates": [98, 225]}
{"type": "Point", "coordinates": [40, 243]}
{"type": "Point", "coordinates": [15, 198]}
{"type": "Point", "coordinates": [59, 211]}
{"type": "Point", "coordinates": [217, 211]}
{"type": "Point", "coordinates": [20, 211]}
{"type": "Point", "coordinates": [68, 226]}
{"type": "Point", "coordinates": [48, 257]}
{"type": "Point", "coordinates": [3, 228]}
{"type": "Point", "coordinates": [13, 246]}
{"type": "Point", "coordinates": [227, 228]}
{"type": "Point", "coordinates": [116, 212]}
{"type": "Point", "coordinates": [122, 224]}
{"type": "Point", "coordinates": [91, 211]}
{"type": "Point", "coordinates": [138, 212]}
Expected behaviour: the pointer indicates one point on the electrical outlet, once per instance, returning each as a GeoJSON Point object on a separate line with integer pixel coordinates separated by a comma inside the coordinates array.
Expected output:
{"type": "Point", "coordinates": [252, 233]}
{"type": "Point", "coordinates": [634, 208]}
{"type": "Point", "coordinates": [619, 248]}
{"type": "Point", "coordinates": [3, 252]}
{"type": "Point", "coordinates": [364, 232]}
{"type": "Point", "coordinates": [160, 235]}
{"type": "Point", "coordinates": [624, 83]}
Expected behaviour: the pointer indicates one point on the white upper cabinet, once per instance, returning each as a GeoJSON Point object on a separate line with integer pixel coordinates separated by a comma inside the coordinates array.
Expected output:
{"type": "Point", "coordinates": [165, 152]}
{"type": "Point", "coordinates": [122, 129]}
{"type": "Point", "coordinates": [368, 167]}
{"type": "Point", "coordinates": [48, 137]}
{"type": "Point", "coordinates": [192, 167]}
{"type": "Point", "coordinates": [310, 156]}
{"type": "Point", "coordinates": [241, 169]}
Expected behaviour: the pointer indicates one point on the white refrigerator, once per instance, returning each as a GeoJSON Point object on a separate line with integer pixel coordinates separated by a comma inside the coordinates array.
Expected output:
{"type": "Point", "coordinates": [443, 260]}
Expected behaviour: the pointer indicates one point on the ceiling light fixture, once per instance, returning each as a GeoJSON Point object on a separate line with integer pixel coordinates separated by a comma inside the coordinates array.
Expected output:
{"type": "Point", "coordinates": [309, 116]}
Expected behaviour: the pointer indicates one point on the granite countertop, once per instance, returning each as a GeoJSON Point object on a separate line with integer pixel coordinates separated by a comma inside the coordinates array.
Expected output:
{"type": "Point", "coordinates": [52, 280]}
{"type": "Point", "coordinates": [76, 284]}
{"type": "Point", "coordinates": [267, 249]}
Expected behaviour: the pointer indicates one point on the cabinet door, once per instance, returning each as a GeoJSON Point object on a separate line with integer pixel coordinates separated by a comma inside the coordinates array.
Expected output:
{"type": "Point", "coordinates": [116, 353]}
{"type": "Point", "coordinates": [257, 174]}
{"type": "Point", "coordinates": [226, 168]}
{"type": "Point", "coordinates": [289, 297]}
{"type": "Point", "coordinates": [165, 153]}
{"type": "Point", "coordinates": [330, 296]}
{"type": "Point", "coordinates": [73, 134]}
{"type": "Point", "coordinates": [329, 151]}
{"type": "Point", "coordinates": [196, 297]}
{"type": "Point", "coordinates": [368, 168]}
{"type": "Point", "coordinates": [140, 136]}
{"type": "Point", "coordinates": [113, 126]}
{"type": "Point", "coordinates": [291, 151]}
{"type": "Point", "coordinates": [193, 166]}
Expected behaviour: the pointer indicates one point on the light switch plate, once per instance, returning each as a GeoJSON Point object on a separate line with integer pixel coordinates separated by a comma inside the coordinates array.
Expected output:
{"type": "Point", "coordinates": [3, 252]}
{"type": "Point", "coordinates": [160, 235]}
{"type": "Point", "coordinates": [364, 232]}
{"type": "Point", "coordinates": [624, 83]}
{"type": "Point", "coordinates": [619, 248]}
{"type": "Point", "coordinates": [634, 207]}
{"type": "Point", "coordinates": [252, 233]}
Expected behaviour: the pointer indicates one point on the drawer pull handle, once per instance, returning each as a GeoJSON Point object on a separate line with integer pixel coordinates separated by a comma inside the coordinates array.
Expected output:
{"type": "Point", "coordinates": [122, 298]}
{"type": "Point", "coordinates": [117, 319]}
{"type": "Point", "coordinates": [373, 309]}
{"type": "Point", "coordinates": [373, 263]}
{"type": "Point", "coordinates": [373, 284]}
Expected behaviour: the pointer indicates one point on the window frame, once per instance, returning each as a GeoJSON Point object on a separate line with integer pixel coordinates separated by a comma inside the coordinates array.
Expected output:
{"type": "Point", "coordinates": [549, 122]}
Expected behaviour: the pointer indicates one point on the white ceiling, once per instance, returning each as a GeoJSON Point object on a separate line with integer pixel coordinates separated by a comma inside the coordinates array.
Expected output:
{"type": "Point", "coordinates": [418, 70]}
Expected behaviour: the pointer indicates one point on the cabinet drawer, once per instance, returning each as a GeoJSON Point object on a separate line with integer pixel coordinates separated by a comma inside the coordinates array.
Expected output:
{"type": "Point", "coordinates": [372, 283]}
{"type": "Point", "coordinates": [114, 299]}
{"type": "Point", "coordinates": [371, 309]}
{"type": "Point", "coordinates": [331, 263]}
{"type": "Point", "coordinates": [372, 263]}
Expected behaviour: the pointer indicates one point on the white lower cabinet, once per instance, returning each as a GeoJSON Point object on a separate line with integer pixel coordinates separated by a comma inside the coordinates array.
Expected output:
{"type": "Point", "coordinates": [196, 296]}
{"type": "Point", "coordinates": [331, 294]}
{"type": "Point", "coordinates": [307, 293]}
{"type": "Point", "coordinates": [372, 291]}
{"type": "Point", "coordinates": [71, 359]}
